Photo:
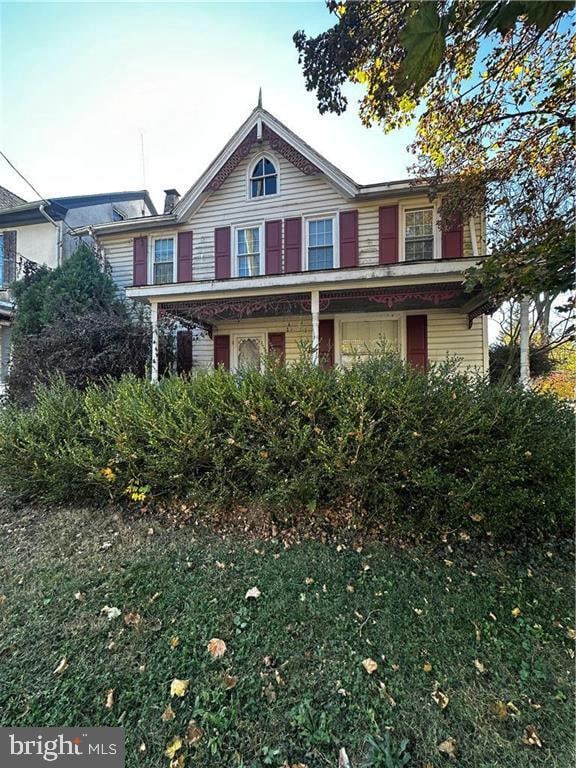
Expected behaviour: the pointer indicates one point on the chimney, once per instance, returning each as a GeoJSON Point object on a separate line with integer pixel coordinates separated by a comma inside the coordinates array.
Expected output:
{"type": "Point", "coordinates": [171, 199]}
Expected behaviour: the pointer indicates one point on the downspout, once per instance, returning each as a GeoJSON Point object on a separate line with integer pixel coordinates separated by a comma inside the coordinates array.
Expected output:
{"type": "Point", "coordinates": [58, 228]}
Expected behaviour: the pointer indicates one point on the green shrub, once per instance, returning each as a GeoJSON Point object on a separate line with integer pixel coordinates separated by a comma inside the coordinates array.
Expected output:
{"type": "Point", "coordinates": [423, 452]}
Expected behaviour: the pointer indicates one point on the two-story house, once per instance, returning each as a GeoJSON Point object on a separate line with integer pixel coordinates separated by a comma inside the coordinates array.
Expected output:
{"type": "Point", "coordinates": [41, 233]}
{"type": "Point", "coordinates": [274, 246]}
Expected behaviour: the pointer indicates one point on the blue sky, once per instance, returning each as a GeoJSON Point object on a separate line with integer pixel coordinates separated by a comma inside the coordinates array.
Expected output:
{"type": "Point", "coordinates": [80, 81]}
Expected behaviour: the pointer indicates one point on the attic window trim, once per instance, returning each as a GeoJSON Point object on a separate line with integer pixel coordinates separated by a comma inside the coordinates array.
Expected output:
{"type": "Point", "coordinates": [262, 156]}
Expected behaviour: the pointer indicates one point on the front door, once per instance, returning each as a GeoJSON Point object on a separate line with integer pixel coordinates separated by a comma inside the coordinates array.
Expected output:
{"type": "Point", "coordinates": [249, 349]}
{"type": "Point", "coordinates": [326, 346]}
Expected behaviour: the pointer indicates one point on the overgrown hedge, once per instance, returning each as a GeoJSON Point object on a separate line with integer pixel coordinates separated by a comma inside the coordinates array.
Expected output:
{"type": "Point", "coordinates": [422, 452]}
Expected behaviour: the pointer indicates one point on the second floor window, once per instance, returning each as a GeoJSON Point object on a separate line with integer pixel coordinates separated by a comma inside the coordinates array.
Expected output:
{"type": "Point", "coordinates": [321, 244]}
{"type": "Point", "coordinates": [264, 179]}
{"type": "Point", "coordinates": [163, 260]}
{"type": "Point", "coordinates": [419, 235]}
{"type": "Point", "coordinates": [248, 251]}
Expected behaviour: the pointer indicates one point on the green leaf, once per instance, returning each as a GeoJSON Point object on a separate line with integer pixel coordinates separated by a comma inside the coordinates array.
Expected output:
{"type": "Point", "coordinates": [424, 39]}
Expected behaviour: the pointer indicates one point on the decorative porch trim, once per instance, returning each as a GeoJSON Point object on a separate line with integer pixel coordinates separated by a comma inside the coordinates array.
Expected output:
{"type": "Point", "coordinates": [483, 309]}
{"type": "Point", "coordinates": [392, 296]}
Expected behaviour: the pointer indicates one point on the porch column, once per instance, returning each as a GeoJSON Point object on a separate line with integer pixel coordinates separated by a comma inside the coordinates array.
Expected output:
{"type": "Point", "coordinates": [315, 296]}
{"type": "Point", "coordinates": [154, 321]}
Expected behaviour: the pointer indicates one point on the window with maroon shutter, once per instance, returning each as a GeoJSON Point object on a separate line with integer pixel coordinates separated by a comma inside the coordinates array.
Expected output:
{"type": "Point", "coordinates": [326, 346]}
{"type": "Point", "coordinates": [293, 245]}
{"type": "Point", "coordinates": [453, 239]}
{"type": "Point", "coordinates": [222, 252]}
{"type": "Point", "coordinates": [349, 238]}
{"type": "Point", "coordinates": [388, 234]}
{"type": "Point", "coordinates": [140, 261]}
{"type": "Point", "coordinates": [417, 340]}
{"type": "Point", "coordinates": [273, 245]}
{"type": "Point", "coordinates": [277, 346]}
{"type": "Point", "coordinates": [222, 351]}
{"type": "Point", "coordinates": [185, 248]}
{"type": "Point", "coordinates": [184, 351]}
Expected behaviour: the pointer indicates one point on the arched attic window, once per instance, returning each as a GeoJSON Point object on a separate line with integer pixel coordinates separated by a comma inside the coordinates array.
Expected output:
{"type": "Point", "coordinates": [264, 178]}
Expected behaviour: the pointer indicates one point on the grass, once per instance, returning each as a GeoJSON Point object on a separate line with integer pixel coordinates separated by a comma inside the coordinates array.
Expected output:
{"type": "Point", "coordinates": [296, 651]}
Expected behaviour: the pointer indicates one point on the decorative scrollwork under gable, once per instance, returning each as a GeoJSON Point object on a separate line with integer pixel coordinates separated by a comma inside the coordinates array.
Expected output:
{"type": "Point", "coordinates": [276, 143]}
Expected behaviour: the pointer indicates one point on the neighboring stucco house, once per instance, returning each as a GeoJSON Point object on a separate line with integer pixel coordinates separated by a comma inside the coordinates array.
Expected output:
{"type": "Point", "coordinates": [41, 233]}
{"type": "Point", "coordinates": [273, 245]}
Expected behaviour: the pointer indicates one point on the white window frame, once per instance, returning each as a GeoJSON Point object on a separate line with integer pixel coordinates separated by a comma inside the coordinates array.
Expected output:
{"type": "Point", "coordinates": [251, 166]}
{"type": "Point", "coordinates": [418, 205]}
{"type": "Point", "coordinates": [235, 339]}
{"type": "Point", "coordinates": [347, 317]}
{"type": "Point", "coordinates": [335, 235]}
{"type": "Point", "coordinates": [151, 252]}
{"type": "Point", "coordinates": [234, 248]}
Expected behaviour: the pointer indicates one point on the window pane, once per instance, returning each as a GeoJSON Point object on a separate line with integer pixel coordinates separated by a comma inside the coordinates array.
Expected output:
{"type": "Point", "coordinates": [321, 258]}
{"type": "Point", "coordinates": [163, 273]}
{"type": "Point", "coordinates": [249, 354]}
{"type": "Point", "coordinates": [419, 223]}
{"type": "Point", "coordinates": [257, 187]}
{"type": "Point", "coordinates": [270, 185]}
{"type": "Point", "coordinates": [268, 167]}
{"type": "Point", "coordinates": [248, 266]}
{"type": "Point", "coordinates": [320, 232]}
{"type": "Point", "coordinates": [419, 250]}
{"type": "Point", "coordinates": [1, 260]}
{"type": "Point", "coordinates": [264, 179]}
{"type": "Point", "coordinates": [164, 249]}
{"type": "Point", "coordinates": [259, 169]}
{"type": "Point", "coordinates": [365, 337]}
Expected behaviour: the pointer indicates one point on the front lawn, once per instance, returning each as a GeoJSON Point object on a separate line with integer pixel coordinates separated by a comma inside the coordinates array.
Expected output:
{"type": "Point", "coordinates": [473, 649]}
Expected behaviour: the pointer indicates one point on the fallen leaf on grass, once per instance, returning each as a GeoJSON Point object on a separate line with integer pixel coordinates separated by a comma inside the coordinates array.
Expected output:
{"type": "Point", "coordinates": [230, 682]}
{"type": "Point", "coordinates": [80, 595]}
{"type": "Point", "coordinates": [61, 666]}
{"type": "Point", "coordinates": [132, 619]}
{"type": "Point", "coordinates": [370, 666]}
{"type": "Point", "coordinates": [571, 633]}
{"type": "Point", "coordinates": [343, 759]}
{"type": "Point", "coordinates": [479, 666]}
{"type": "Point", "coordinates": [254, 592]}
{"type": "Point", "coordinates": [177, 762]}
{"type": "Point", "coordinates": [531, 737]}
{"type": "Point", "coordinates": [427, 667]}
{"type": "Point", "coordinates": [178, 687]}
{"type": "Point", "coordinates": [142, 748]}
{"type": "Point", "coordinates": [3, 599]}
{"type": "Point", "coordinates": [448, 748]}
{"type": "Point", "coordinates": [516, 612]}
{"type": "Point", "coordinates": [173, 746]}
{"type": "Point", "coordinates": [216, 647]}
{"type": "Point", "coordinates": [440, 698]}
{"type": "Point", "coordinates": [193, 732]}
{"type": "Point", "coordinates": [109, 698]}
{"type": "Point", "coordinates": [386, 695]}
{"type": "Point", "coordinates": [269, 693]}
{"type": "Point", "coordinates": [111, 612]}
{"type": "Point", "coordinates": [168, 714]}
{"type": "Point", "coordinates": [174, 641]}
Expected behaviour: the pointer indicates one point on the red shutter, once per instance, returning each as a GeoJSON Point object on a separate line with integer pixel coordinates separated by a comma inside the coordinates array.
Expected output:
{"type": "Point", "coordinates": [222, 351]}
{"type": "Point", "coordinates": [185, 247]}
{"type": "Point", "coordinates": [388, 234]}
{"type": "Point", "coordinates": [273, 241]}
{"type": "Point", "coordinates": [349, 239]}
{"type": "Point", "coordinates": [277, 345]}
{"type": "Point", "coordinates": [184, 351]}
{"type": "Point", "coordinates": [417, 340]}
{"type": "Point", "coordinates": [140, 261]}
{"type": "Point", "coordinates": [453, 239]}
{"type": "Point", "coordinates": [293, 245]}
{"type": "Point", "coordinates": [222, 252]}
{"type": "Point", "coordinates": [326, 346]}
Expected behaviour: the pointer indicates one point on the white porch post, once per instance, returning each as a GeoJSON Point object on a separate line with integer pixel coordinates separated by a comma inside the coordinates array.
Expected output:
{"type": "Point", "coordinates": [154, 320]}
{"type": "Point", "coordinates": [525, 342]}
{"type": "Point", "coordinates": [315, 296]}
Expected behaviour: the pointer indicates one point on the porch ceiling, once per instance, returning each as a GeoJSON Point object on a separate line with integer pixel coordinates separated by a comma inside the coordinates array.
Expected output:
{"type": "Point", "coordinates": [409, 297]}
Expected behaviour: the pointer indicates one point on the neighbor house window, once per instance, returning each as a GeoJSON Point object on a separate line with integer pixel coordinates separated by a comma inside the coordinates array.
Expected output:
{"type": "Point", "coordinates": [7, 258]}
{"type": "Point", "coordinates": [164, 260]}
{"type": "Point", "coordinates": [419, 235]}
{"type": "Point", "coordinates": [361, 338]}
{"type": "Point", "coordinates": [321, 244]}
{"type": "Point", "coordinates": [248, 251]}
{"type": "Point", "coordinates": [264, 179]}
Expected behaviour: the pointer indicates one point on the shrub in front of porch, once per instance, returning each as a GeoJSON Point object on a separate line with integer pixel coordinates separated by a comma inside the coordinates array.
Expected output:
{"type": "Point", "coordinates": [411, 451]}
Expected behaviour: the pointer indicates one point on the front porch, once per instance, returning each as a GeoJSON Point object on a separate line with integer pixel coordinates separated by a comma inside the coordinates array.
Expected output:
{"type": "Point", "coordinates": [425, 323]}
